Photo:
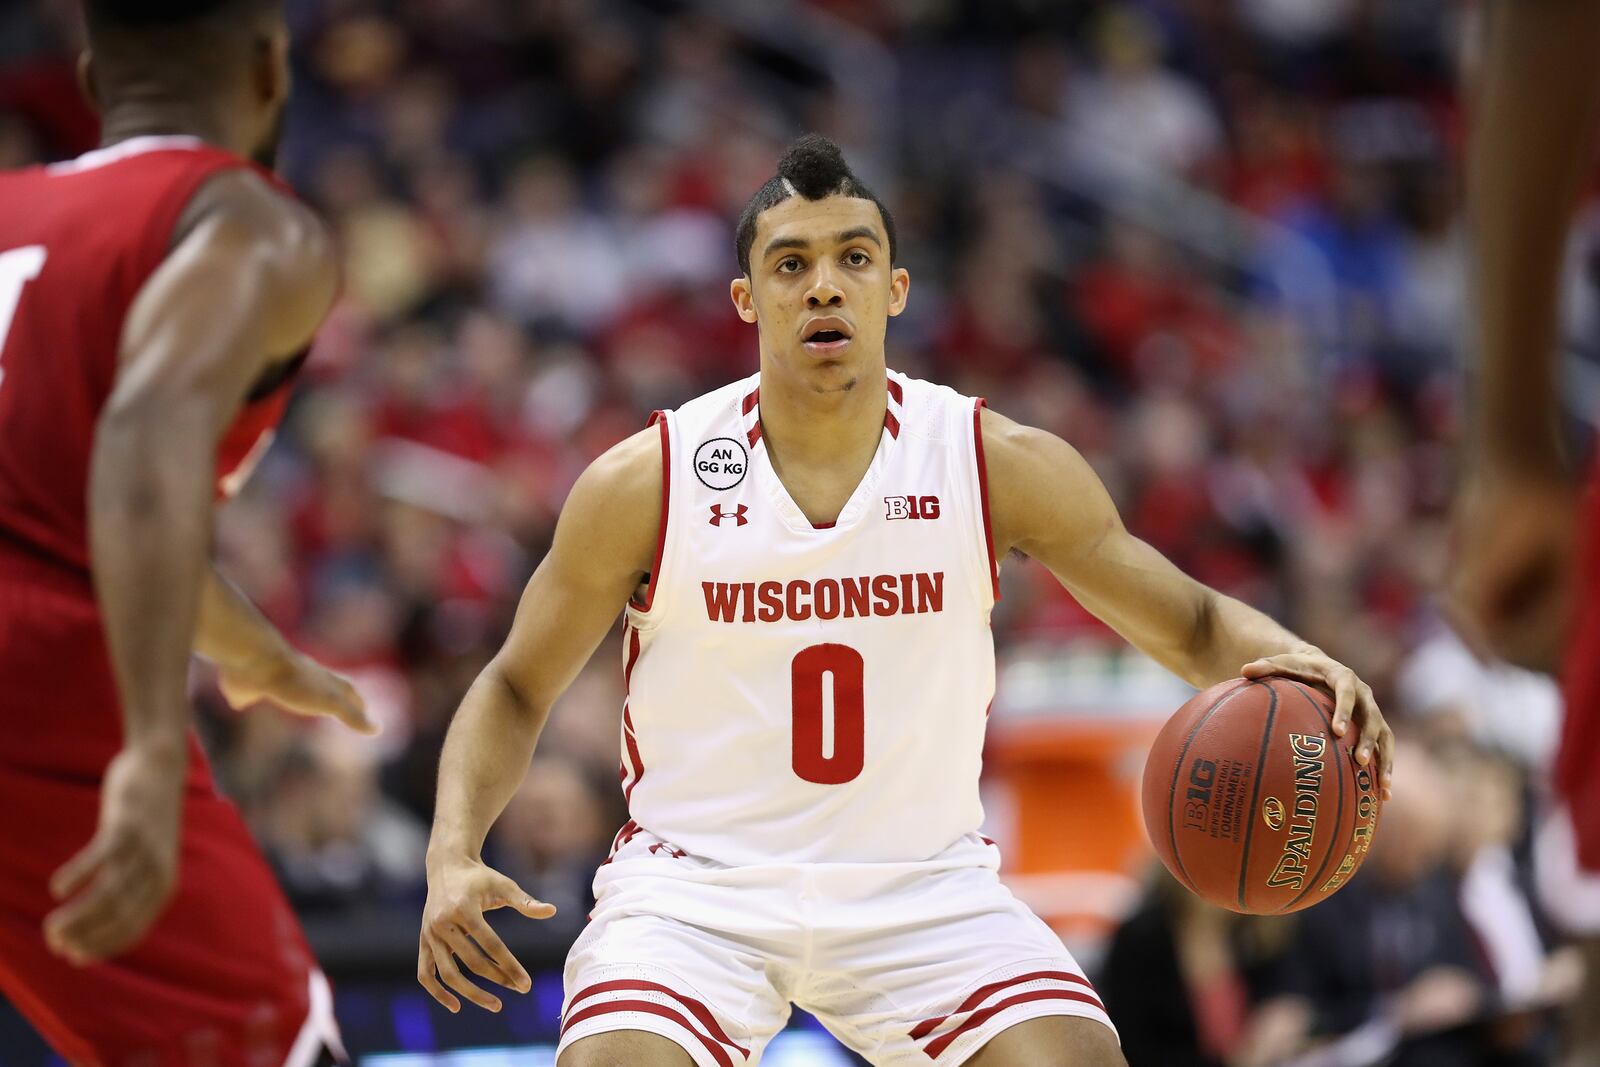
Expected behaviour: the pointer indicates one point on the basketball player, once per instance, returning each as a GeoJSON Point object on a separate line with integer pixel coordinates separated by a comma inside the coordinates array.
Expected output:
{"type": "Point", "coordinates": [154, 295]}
{"type": "Point", "coordinates": [808, 559]}
{"type": "Point", "coordinates": [1529, 567]}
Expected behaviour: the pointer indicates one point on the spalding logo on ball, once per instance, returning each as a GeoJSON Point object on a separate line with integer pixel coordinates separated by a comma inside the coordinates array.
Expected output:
{"type": "Point", "coordinates": [1253, 803]}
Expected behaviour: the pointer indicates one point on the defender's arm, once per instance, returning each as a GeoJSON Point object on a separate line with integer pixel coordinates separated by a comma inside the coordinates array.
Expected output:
{"type": "Point", "coordinates": [248, 282]}
{"type": "Point", "coordinates": [255, 662]}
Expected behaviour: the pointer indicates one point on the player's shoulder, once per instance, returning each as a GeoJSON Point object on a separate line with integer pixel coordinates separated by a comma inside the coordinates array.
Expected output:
{"type": "Point", "coordinates": [245, 205]}
{"type": "Point", "coordinates": [1020, 458]}
{"type": "Point", "coordinates": [625, 477]}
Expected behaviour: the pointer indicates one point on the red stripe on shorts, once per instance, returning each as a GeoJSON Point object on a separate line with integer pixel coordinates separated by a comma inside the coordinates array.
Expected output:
{"type": "Point", "coordinates": [652, 1008]}
{"type": "Point", "coordinates": [696, 1008]}
{"type": "Point", "coordinates": [983, 993]}
{"type": "Point", "coordinates": [938, 1045]}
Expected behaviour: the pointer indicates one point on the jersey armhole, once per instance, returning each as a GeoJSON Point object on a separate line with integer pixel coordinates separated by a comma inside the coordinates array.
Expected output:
{"type": "Point", "coordinates": [653, 580]}
{"type": "Point", "coordinates": [978, 405]}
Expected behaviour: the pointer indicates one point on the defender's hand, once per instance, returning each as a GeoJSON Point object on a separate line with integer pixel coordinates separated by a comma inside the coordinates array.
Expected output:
{"type": "Point", "coordinates": [1352, 699]}
{"type": "Point", "coordinates": [453, 927]}
{"type": "Point", "coordinates": [299, 684]}
{"type": "Point", "coordinates": [120, 882]}
{"type": "Point", "coordinates": [1513, 583]}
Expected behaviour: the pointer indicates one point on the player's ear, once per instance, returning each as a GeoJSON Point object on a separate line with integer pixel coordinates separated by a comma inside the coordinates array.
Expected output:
{"type": "Point", "coordinates": [899, 289]}
{"type": "Point", "coordinates": [744, 300]}
{"type": "Point", "coordinates": [86, 73]}
{"type": "Point", "coordinates": [271, 67]}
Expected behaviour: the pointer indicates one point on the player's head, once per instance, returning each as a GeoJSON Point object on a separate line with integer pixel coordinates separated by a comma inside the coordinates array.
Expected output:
{"type": "Point", "coordinates": [226, 60]}
{"type": "Point", "coordinates": [817, 249]}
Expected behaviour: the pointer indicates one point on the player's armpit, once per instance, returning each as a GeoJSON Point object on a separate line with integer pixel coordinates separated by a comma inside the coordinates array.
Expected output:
{"type": "Point", "coordinates": [605, 540]}
{"type": "Point", "coordinates": [1046, 502]}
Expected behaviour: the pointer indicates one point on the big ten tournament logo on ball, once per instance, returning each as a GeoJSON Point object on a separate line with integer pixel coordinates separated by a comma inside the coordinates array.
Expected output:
{"type": "Point", "coordinates": [720, 463]}
{"type": "Point", "coordinates": [1214, 801]}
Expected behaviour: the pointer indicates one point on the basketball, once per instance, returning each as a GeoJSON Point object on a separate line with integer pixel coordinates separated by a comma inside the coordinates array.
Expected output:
{"type": "Point", "coordinates": [1253, 803]}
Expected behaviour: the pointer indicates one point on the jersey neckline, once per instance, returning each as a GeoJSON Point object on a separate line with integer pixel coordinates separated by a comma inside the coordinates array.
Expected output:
{"type": "Point", "coordinates": [133, 146]}
{"type": "Point", "coordinates": [857, 503]}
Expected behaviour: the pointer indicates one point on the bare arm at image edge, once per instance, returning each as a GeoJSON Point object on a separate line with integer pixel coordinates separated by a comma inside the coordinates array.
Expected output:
{"type": "Point", "coordinates": [1535, 108]}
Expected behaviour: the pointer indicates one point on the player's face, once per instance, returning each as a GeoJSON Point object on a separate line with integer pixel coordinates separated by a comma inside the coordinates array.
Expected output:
{"type": "Point", "coordinates": [821, 290]}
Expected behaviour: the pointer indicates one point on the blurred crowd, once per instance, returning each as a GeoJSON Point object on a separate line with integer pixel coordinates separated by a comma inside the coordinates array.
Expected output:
{"type": "Point", "coordinates": [1215, 245]}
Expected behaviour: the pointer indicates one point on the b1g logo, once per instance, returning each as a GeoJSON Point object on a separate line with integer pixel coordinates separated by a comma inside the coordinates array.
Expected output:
{"type": "Point", "coordinates": [720, 463]}
{"type": "Point", "coordinates": [1197, 801]}
{"type": "Point", "coordinates": [911, 507]}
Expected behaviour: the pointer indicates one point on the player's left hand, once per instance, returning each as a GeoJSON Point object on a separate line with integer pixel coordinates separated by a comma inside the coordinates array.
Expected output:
{"type": "Point", "coordinates": [1352, 700]}
{"type": "Point", "coordinates": [299, 684]}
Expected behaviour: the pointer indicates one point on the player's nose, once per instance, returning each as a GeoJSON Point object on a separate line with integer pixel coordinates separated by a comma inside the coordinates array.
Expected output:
{"type": "Point", "coordinates": [824, 293]}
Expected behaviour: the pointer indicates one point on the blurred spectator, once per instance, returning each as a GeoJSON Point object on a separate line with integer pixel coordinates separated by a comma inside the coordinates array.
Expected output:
{"type": "Point", "coordinates": [333, 839]}
{"type": "Point", "coordinates": [1181, 975]}
{"type": "Point", "coordinates": [1137, 116]}
{"type": "Point", "coordinates": [1451, 694]}
{"type": "Point", "coordinates": [1386, 969]}
{"type": "Point", "coordinates": [555, 831]}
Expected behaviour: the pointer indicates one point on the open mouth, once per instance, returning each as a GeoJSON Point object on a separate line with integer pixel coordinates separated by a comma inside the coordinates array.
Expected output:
{"type": "Point", "coordinates": [827, 334]}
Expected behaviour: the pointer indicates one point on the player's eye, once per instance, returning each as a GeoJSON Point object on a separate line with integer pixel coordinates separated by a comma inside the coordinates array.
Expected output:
{"type": "Point", "coordinates": [858, 258]}
{"type": "Point", "coordinates": [789, 265]}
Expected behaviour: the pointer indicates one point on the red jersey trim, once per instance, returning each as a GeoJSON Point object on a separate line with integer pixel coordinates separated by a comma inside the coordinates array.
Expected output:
{"type": "Point", "coordinates": [659, 418]}
{"type": "Point", "coordinates": [983, 492]}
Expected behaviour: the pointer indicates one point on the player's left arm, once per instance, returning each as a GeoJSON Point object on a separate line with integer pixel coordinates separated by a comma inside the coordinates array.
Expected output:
{"type": "Point", "coordinates": [1047, 503]}
{"type": "Point", "coordinates": [256, 663]}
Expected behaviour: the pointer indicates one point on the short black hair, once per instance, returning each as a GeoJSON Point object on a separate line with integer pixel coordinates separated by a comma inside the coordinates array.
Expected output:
{"type": "Point", "coordinates": [155, 14]}
{"type": "Point", "coordinates": [812, 167]}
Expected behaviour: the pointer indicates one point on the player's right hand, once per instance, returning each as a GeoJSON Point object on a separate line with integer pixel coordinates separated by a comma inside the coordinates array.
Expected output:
{"type": "Point", "coordinates": [1513, 583]}
{"type": "Point", "coordinates": [299, 684]}
{"type": "Point", "coordinates": [453, 928]}
{"type": "Point", "coordinates": [120, 882]}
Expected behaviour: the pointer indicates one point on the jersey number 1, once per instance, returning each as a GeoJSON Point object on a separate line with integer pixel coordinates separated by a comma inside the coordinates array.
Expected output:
{"type": "Point", "coordinates": [18, 267]}
{"type": "Point", "coordinates": [818, 672]}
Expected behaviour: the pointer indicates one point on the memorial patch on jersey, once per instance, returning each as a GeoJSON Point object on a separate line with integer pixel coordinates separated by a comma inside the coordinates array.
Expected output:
{"type": "Point", "coordinates": [825, 598]}
{"type": "Point", "coordinates": [720, 463]}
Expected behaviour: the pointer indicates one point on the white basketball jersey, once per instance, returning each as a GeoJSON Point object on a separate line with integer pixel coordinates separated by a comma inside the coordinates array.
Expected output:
{"type": "Point", "coordinates": [813, 694]}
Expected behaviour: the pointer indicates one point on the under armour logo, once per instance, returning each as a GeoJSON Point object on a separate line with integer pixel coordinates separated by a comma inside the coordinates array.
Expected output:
{"type": "Point", "coordinates": [717, 515]}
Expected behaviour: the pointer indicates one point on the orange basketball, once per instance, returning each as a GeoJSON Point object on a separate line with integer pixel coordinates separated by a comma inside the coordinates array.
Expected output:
{"type": "Point", "coordinates": [1253, 803]}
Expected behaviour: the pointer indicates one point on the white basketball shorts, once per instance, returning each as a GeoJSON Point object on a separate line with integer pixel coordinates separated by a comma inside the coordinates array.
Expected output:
{"type": "Point", "coordinates": [908, 964]}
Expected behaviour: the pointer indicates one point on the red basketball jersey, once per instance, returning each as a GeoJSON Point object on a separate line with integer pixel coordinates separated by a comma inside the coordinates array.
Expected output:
{"type": "Point", "coordinates": [1578, 765]}
{"type": "Point", "coordinates": [77, 242]}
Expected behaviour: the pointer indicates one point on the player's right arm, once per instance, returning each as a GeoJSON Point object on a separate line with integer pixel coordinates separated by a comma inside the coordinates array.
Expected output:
{"type": "Point", "coordinates": [604, 546]}
{"type": "Point", "coordinates": [246, 283]}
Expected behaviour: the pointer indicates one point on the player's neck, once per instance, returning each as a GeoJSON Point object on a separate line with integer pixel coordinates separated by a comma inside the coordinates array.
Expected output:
{"type": "Point", "coordinates": [815, 429]}
{"type": "Point", "coordinates": [139, 118]}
